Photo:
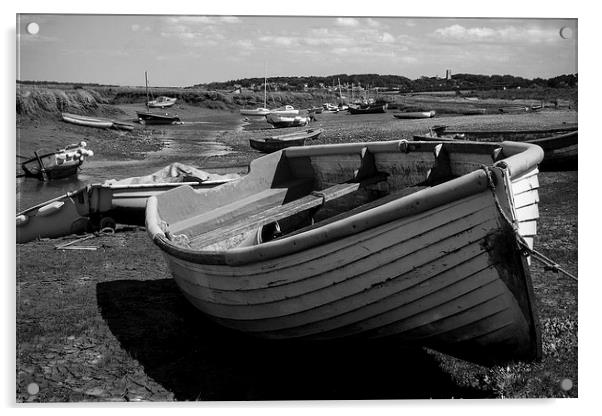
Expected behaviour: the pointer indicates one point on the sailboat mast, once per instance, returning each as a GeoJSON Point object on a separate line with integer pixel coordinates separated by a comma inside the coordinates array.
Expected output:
{"type": "Point", "coordinates": [265, 85]}
{"type": "Point", "coordinates": [146, 83]}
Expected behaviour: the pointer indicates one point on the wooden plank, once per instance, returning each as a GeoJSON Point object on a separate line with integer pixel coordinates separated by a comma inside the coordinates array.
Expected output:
{"type": "Point", "coordinates": [299, 266]}
{"type": "Point", "coordinates": [266, 215]}
{"type": "Point", "coordinates": [526, 198]}
{"type": "Point", "coordinates": [527, 228]}
{"type": "Point", "coordinates": [524, 185]}
{"type": "Point", "coordinates": [380, 299]}
{"type": "Point", "coordinates": [528, 212]}
{"type": "Point", "coordinates": [379, 268]}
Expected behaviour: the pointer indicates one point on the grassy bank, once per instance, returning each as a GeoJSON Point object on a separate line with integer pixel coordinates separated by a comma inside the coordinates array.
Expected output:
{"type": "Point", "coordinates": [40, 101]}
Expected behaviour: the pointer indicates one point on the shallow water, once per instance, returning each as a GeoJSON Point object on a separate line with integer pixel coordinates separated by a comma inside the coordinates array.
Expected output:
{"type": "Point", "coordinates": [190, 142]}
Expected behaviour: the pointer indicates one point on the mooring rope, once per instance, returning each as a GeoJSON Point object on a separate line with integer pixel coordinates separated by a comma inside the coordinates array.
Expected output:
{"type": "Point", "coordinates": [550, 264]}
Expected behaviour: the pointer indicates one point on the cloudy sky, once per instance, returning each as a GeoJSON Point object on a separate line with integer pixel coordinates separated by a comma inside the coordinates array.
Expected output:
{"type": "Point", "coordinates": [186, 50]}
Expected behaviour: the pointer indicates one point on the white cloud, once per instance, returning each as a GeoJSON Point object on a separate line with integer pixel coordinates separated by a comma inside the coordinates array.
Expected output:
{"type": "Point", "coordinates": [372, 23]}
{"type": "Point", "coordinates": [347, 21]}
{"type": "Point", "coordinates": [279, 40]}
{"type": "Point", "coordinates": [531, 34]}
{"type": "Point", "coordinates": [387, 38]}
{"type": "Point", "coordinates": [230, 19]}
{"type": "Point", "coordinates": [138, 28]}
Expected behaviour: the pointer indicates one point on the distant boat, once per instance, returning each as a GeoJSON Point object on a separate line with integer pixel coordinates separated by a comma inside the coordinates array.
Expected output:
{"type": "Point", "coordinates": [370, 109]}
{"type": "Point", "coordinates": [330, 108]}
{"type": "Point", "coordinates": [287, 110]}
{"type": "Point", "coordinates": [560, 145]}
{"type": "Point", "coordinates": [97, 206]}
{"type": "Point", "coordinates": [98, 122]}
{"type": "Point", "coordinates": [273, 143]}
{"type": "Point", "coordinates": [415, 114]}
{"type": "Point", "coordinates": [416, 241]}
{"type": "Point", "coordinates": [62, 163]}
{"type": "Point", "coordinates": [473, 111]}
{"type": "Point", "coordinates": [87, 121]}
{"type": "Point", "coordinates": [155, 118]}
{"type": "Point", "coordinates": [147, 117]}
{"type": "Point", "coordinates": [162, 102]}
{"type": "Point", "coordinates": [514, 109]}
{"type": "Point", "coordinates": [121, 125]}
{"type": "Point", "coordinates": [279, 121]}
{"type": "Point", "coordinates": [260, 111]}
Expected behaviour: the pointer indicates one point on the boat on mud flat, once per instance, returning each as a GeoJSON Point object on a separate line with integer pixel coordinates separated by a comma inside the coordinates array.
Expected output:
{"type": "Point", "coordinates": [62, 163]}
{"type": "Point", "coordinates": [260, 111]}
{"type": "Point", "coordinates": [146, 117]}
{"type": "Point", "coordinates": [287, 110]}
{"type": "Point", "coordinates": [370, 109]}
{"type": "Point", "coordinates": [162, 102]}
{"type": "Point", "coordinates": [415, 114]}
{"type": "Point", "coordinates": [98, 122]}
{"type": "Point", "coordinates": [280, 121]}
{"type": "Point", "coordinates": [98, 206]}
{"type": "Point", "coordinates": [87, 121]}
{"type": "Point", "coordinates": [560, 145]}
{"type": "Point", "coordinates": [274, 143]}
{"type": "Point", "coordinates": [421, 241]}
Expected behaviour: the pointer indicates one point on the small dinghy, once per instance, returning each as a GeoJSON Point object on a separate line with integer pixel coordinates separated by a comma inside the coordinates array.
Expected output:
{"type": "Point", "coordinates": [420, 241]}
{"type": "Point", "coordinates": [415, 114]}
{"type": "Point", "coordinates": [97, 206]}
{"type": "Point", "coordinates": [274, 143]}
{"type": "Point", "coordinates": [62, 163]}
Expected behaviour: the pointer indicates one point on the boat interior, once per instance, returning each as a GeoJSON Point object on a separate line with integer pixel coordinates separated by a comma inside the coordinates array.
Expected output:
{"type": "Point", "coordinates": [300, 188]}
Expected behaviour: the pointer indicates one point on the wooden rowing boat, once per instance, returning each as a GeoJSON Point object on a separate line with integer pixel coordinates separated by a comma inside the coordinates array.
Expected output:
{"type": "Point", "coordinates": [413, 240]}
{"type": "Point", "coordinates": [87, 121]}
{"type": "Point", "coordinates": [62, 163]}
{"type": "Point", "coordinates": [97, 206]}
{"type": "Point", "coordinates": [415, 114]}
{"type": "Point", "coordinates": [274, 143]}
{"type": "Point", "coordinates": [372, 109]}
{"type": "Point", "coordinates": [280, 121]}
{"type": "Point", "coordinates": [560, 145]}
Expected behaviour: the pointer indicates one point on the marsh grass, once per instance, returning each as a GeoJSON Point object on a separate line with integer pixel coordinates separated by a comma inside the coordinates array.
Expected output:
{"type": "Point", "coordinates": [35, 101]}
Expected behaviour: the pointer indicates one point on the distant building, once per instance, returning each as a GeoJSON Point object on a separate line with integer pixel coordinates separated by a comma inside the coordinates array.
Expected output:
{"type": "Point", "coordinates": [448, 74]}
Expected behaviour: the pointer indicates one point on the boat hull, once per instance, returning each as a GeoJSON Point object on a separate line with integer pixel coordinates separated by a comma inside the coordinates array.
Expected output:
{"type": "Point", "coordinates": [152, 118]}
{"type": "Point", "coordinates": [86, 121]}
{"type": "Point", "coordinates": [269, 146]}
{"type": "Point", "coordinates": [279, 142]}
{"type": "Point", "coordinates": [57, 165]}
{"type": "Point", "coordinates": [280, 121]}
{"type": "Point", "coordinates": [162, 102]}
{"type": "Point", "coordinates": [439, 268]}
{"type": "Point", "coordinates": [92, 207]}
{"type": "Point", "coordinates": [560, 145]}
{"type": "Point", "coordinates": [255, 112]}
{"type": "Point", "coordinates": [369, 110]}
{"type": "Point", "coordinates": [413, 115]}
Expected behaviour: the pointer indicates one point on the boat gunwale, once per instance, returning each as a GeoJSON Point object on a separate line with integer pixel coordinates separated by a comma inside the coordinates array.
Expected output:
{"type": "Point", "coordinates": [521, 158]}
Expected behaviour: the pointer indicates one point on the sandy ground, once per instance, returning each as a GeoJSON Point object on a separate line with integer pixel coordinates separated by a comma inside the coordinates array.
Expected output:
{"type": "Point", "coordinates": [111, 325]}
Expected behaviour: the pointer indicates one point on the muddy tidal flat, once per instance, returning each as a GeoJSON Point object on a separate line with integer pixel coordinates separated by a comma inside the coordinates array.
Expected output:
{"type": "Point", "coordinates": [110, 324]}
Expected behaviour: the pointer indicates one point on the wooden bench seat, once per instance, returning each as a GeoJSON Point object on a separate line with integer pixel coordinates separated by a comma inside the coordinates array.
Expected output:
{"type": "Point", "coordinates": [372, 204]}
{"type": "Point", "coordinates": [269, 215]}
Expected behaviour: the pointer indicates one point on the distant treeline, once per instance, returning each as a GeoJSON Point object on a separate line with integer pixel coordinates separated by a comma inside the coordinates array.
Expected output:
{"type": "Point", "coordinates": [397, 82]}
{"type": "Point", "coordinates": [74, 85]}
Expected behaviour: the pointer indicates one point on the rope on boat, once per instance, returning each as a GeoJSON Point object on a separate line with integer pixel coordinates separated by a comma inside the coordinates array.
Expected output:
{"type": "Point", "coordinates": [526, 250]}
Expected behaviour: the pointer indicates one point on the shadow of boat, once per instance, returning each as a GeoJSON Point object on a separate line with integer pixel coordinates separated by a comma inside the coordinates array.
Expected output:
{"type": "Point", "coordinates": [195, 359]}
